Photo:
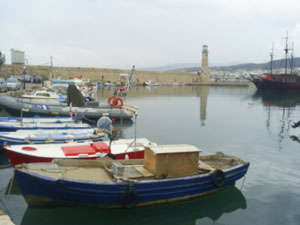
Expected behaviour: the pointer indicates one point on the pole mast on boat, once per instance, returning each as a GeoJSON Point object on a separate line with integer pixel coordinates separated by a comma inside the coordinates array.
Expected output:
{"type": "Point", "coordinates": [292, 58]}
{"type": "Point", "coordinates": [286, 52]}
{"type": "Point", "coordinates": [51, 68]}
{"type": "Point", "coordinates": [271, 55]}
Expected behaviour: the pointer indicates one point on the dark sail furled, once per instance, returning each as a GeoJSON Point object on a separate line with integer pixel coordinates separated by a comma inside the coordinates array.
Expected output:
{"type": "Point", "coordinates": [75, 96]}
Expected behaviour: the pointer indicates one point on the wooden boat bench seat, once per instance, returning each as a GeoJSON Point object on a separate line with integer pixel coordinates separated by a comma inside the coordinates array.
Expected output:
{"type": "Point", "coordinates": [204, 167]}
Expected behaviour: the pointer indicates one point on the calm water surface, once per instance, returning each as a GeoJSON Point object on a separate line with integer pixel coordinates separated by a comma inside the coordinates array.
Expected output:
{"type": "Point", "coordinates": [237, 121]}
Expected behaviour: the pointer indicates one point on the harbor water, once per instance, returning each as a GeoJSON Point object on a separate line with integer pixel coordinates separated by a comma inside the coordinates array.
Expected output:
{"type": "Point", "coordinates": [239, 121]}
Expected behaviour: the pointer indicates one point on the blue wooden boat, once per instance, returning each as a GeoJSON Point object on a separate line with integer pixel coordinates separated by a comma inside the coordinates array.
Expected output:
{"type": "Point", "coordinates": [13, 126]}
{"type": "Point", "coordinates": [38, 119]}
{"type": "Point", "coordinates": [23, 137]}
{"type": "Point", "coordinates": [167, 173]}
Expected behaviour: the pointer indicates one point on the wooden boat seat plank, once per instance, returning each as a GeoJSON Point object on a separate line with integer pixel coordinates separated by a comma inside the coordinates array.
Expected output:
{"type": "Point", "coordinates": [204, 166]}
{"type": "Point", "coordinates": [144, 171]}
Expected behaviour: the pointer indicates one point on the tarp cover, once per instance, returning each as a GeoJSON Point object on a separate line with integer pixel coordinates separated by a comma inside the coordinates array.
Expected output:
{"type": "Point", "coordinates": [76, 150]}
{"type": "Point", "coordinates": [75, 96]}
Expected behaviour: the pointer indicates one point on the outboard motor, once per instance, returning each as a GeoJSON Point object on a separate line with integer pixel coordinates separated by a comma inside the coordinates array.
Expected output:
{"type": "Point", "coordinates": [105, 124]}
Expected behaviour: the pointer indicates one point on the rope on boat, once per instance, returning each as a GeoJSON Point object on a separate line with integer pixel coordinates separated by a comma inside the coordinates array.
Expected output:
{"type": "Point", "coordinates": [242, 185]}
{"type": "Point", "coordinates": [10, 186]}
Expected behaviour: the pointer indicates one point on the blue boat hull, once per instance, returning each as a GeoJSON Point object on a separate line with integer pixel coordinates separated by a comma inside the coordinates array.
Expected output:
{"type": "Point", "coordinates": [34, 118]}
{"type": "Point", "coordinates": [44, 127]}
{"type": "Point", "coordinates": [40, 190]}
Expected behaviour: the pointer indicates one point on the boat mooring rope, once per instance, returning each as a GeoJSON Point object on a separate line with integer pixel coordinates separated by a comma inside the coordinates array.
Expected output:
{"type": "Point", "coordinates": [10, 186]}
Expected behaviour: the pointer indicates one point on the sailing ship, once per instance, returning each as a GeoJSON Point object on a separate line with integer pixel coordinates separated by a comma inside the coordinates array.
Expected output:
{"type": "Point", "coordinates": [289, 80]}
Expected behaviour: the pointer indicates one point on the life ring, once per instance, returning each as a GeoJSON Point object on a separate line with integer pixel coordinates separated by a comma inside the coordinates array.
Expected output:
{"type": "Point", "coordinates": [218, 178]}
{"type": "Point", "coordinates": [109, 100]}
{"type": "Point", "coordinates": [117, 102]}
{"type": "Point", "coordinates": [129, 199]}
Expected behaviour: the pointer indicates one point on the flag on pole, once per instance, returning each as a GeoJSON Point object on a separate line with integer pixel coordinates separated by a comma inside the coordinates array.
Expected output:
{"type": "Point", "coordinates": [130, 81]}
{"type": "Point", "coordinates": [70, 109]}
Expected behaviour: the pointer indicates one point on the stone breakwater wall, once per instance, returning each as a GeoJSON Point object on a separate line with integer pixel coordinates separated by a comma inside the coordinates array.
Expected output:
{"type": "Point", "coordinates": [102, 75]}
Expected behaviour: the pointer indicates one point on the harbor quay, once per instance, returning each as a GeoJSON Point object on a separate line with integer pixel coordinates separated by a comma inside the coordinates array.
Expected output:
{"type": "Point", "coordinates": [112, 75]}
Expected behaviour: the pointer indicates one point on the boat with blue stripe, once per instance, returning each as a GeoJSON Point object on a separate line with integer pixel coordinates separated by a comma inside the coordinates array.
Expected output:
{"type": "Point", "coordinates": [168, 173]}
{"type": "Point", "coordinates": [38, 119]}
{"type": "Point", "coordinates": [13, 126]}
{"type": "Point", "coordinates": [23, 137]}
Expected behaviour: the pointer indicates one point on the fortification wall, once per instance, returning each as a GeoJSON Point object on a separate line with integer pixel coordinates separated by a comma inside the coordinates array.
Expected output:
{"type": "Point", "coordinates": [102, 75]}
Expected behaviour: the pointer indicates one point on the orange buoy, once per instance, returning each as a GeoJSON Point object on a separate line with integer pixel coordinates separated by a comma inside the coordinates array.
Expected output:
{"type": "Point", "coordinates": [109, 100]}
{"type": "Point", "coordinates": [117, 102]}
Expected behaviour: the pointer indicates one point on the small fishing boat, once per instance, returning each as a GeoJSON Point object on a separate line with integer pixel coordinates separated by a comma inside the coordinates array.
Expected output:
{"type": "Point", "coordinates": [23, 137]}
{"type": "Point", "coordinates": [167, 173]}
{"type": "Point", "coordinates": [150, 83]}
{"type": "Point", "coordinates": [13, 126]}
{"type": "Point", "coordinates": [36, 119]}
{"type": "Point", "coordinates": [119, 149]}
{"type": "Point", "coordinates": [45, 95]}
{"type": "Point", "coordinates": [91, 110]}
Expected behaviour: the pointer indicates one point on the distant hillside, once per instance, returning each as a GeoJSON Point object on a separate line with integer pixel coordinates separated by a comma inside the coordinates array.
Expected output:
{"type": "Point", "coordinates": [246, 66]}
{"type": "Point", "coordinates": [253, 66]}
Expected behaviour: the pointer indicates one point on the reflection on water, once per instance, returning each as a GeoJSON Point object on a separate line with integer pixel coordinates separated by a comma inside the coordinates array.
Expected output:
{"type": "Point", "coordinates": [4, 161]}
{"type": "Point", "coordinates": [203, 103]}
{"type": "Point", "coordinates": [210, 207]}
{"type": "Point", "coordinates": [278, 99]}
{"type": "Point", "coordinates": [286, 104]}
{"type": "Point", "coordinates": [142, 91]}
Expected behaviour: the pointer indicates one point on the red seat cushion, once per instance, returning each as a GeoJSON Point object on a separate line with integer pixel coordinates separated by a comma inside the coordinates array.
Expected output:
{"type": "Point", "coordinates": [76, 150]}
{"type": "Point", "coordinates": [100, 147]}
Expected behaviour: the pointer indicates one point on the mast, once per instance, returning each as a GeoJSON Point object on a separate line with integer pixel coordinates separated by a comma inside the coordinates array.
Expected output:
{"type": "Point", "coordinates": [51, 68]}
{"type": "Point", "coordinates": [271, 62]}
{"type": "Point", "coordinates": [292, 58]}
{"type": "Point", "coordinates": [286, 52]}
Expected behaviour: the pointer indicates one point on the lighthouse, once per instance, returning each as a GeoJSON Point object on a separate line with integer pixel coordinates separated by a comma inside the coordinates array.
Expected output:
{"type": "Point", "coordinates": [204, 76]}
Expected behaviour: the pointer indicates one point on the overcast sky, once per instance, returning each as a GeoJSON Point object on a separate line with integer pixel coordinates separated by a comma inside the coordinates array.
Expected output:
{"type": "Point", "coordinates": [146, 33]}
